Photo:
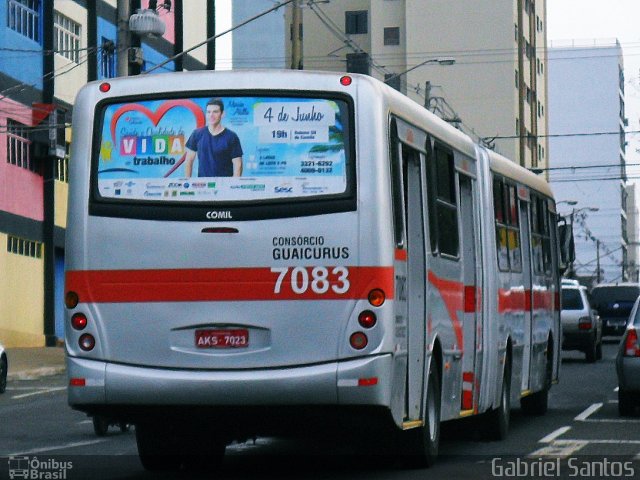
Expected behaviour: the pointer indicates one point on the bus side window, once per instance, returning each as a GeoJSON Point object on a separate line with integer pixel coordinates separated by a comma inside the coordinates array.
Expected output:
{"type": "Point", "coordinates": [515, 256]}
{"type": "Point", "coordinates": [446, 209]}
{"type": "Point", "coordinates": [500, 213]}
{"type": "Point", "coordinates": [397, 189]}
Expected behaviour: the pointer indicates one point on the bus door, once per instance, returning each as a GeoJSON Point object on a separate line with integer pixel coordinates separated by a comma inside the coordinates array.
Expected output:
{"type": "Point", "coordinates": [471, 325]}
{"type": "Point", "coordinates": [410, 248]}
{"type": "Point", "coordinates": [525, 238]}
{"type": "Point", "coordinates": [416, 278]}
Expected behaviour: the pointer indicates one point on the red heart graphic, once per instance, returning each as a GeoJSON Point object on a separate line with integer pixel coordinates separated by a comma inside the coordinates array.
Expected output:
{"type": "Point", "coordinates": [156, 116]}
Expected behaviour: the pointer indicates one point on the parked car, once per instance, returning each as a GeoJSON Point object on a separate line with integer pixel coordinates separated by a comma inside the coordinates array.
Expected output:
{"type": "Point", "coordinates": [614, 302]}
{"type": "Point", "coordinates": [581, 324]}
{"type": "Point", "coordinates": [628, 365]}
{"type": "Point", "coordinates": [4, 364]}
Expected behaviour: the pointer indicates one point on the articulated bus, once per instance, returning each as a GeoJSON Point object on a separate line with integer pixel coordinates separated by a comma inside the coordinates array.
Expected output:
{"type": "Point", "coordinates": [255, 252]}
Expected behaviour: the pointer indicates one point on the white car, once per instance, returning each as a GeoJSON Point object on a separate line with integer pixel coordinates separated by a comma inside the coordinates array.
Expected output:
{"type": "Point", "coordinates": [581, 325]}
{"type": "Point", "coordinates": [3, 369]}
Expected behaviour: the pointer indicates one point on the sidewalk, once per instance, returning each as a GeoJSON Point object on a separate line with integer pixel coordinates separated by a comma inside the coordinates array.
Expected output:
{"type": "Point", "coordinates": [33, 363]}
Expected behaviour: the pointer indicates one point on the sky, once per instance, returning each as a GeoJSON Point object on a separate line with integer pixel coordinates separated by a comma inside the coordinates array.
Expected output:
{"type": "Point", "coordinates": [582, 20]}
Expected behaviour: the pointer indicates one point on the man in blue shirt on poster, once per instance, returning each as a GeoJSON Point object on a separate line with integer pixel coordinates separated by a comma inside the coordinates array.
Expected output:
{"type": "Point", "coordinates": [218, 148]}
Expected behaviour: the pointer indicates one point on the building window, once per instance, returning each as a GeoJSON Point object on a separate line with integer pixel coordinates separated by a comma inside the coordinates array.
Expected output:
{"type": "Point", "coordinates": [18, 146]}
{"type": "Point", "coordinates": [358, 63]}
{"type": "Point", "coordinates": [62, 167]}
{"type": "Point", "coordinates": [516, 32]}
{"type": "Point", "coordinates": [23, 16]}
{"type": "Point", "coordinates": [517, 80]}
{"type": "Point", "coordinates": [392, 36]}
{"type": "Point", "coordinates": [356, 22]}
{"type": "Point", "coordinates": [392, 80]}
{"type": "Point", "coordinates": [20, 246]}
{"type": "Point", "coordinates": [66, 40]}
{"type": "Point", "coordinates": [107, 58]}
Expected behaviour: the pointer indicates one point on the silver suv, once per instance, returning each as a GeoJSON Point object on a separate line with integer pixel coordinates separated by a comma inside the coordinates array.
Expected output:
{"type": "Point", "coordinates": [581, 325]}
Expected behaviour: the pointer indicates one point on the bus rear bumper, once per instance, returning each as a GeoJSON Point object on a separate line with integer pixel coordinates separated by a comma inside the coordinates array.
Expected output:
{"type": "Point", "coordinates": [365, 381]}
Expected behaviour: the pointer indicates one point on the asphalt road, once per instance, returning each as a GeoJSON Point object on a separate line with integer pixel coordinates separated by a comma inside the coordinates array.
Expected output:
{"type": "Point", "coordinates": [581, 436]}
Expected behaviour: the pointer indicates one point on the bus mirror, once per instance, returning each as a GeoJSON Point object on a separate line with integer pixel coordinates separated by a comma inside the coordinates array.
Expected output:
{"type": "Point", "coordinates": [567, 247]}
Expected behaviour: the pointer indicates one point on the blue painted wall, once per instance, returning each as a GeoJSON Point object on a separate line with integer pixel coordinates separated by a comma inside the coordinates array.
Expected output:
{"type": "Point", "coordinates": [24, 64]}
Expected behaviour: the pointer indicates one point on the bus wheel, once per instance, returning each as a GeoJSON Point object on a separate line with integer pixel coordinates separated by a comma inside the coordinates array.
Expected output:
{"type": "Point", "coordinates": [497, 420]}
{"type": "Point", "coordinates": [157, 448]}
{"type": "Point", "coordinates": [100, 425]}
{"type": "Point", "coordinates": [423, 443]}
{"type": "Point", "coordinates": [202, 453]}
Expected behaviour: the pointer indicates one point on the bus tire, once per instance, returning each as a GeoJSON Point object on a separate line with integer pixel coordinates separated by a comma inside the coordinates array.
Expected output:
{"type": "Point", "coordinates": [424, 442]}
{"type": "Point", "coordinates": [497, 420]}
{"type": "Point", "coordinates": [157, 448]}
{"type": "Point", "coordinates": [100, 425]}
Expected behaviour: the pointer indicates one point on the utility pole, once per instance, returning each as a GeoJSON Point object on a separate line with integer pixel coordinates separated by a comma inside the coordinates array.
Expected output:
{"type": "Point", "coordinates": [427, 94]}
{"type": "Point", "coordinates": [296, 37]}
{"type": "Point", "coordinates": [123, 38]}
{"type": "Point", "coordinates": [598, 261]}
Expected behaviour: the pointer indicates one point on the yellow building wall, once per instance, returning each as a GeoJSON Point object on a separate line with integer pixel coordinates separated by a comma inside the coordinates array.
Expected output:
{"type": "Point", "coordinates": [62, 194]}
{"type": "Point", "coordinates": [21, 299]}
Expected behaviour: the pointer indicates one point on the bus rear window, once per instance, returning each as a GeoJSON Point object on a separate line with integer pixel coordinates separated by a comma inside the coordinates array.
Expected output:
{"type": "Point", "coordinates": [222, 149]}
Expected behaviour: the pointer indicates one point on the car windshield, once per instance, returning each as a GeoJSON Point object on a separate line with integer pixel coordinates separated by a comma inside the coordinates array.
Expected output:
{"type": "Point", "coordinates": [571, 299]}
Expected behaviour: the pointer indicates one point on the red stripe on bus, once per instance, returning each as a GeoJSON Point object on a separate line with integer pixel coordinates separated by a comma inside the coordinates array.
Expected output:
{"type": "Point", "coordinates": [452, 294]}
{"type": "Point", "coordinates": [467, 400]}
{"type": "Point", "coordinates": [401, 255]}
{"type": "Point", "coordinates": [518, 300]}
{"type": "Point", "coordinates": [467, 376]}
{"type": "Point", "coordinates": [224, 284]}
{"type": "Point", "coordinates": [470, 296]}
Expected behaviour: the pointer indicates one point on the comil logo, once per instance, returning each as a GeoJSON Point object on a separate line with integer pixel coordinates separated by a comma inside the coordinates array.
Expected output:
{"type": "Point", "coordinates": [219, 215]}
{"type": "Point", "coordinates": [33, 468]}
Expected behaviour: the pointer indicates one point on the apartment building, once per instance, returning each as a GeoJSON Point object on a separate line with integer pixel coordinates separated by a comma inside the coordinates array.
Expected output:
{"type": "Point", "coordinates": [49, 50]}
{"type": "Point", "coordinates": [588, 156]}
{"type": "Point", "coordinates": [480, 64]}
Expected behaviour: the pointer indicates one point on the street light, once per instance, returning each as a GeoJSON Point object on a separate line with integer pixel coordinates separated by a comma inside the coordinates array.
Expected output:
{"type": "Point", "coordinates": [439, 61]}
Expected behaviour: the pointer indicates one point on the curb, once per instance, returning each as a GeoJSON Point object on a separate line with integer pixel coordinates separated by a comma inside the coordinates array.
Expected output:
{"type": "Point", "coordinates": [35, 373]}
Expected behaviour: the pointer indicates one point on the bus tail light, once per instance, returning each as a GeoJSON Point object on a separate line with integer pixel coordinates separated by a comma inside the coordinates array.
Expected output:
{"type": "Point", "coordinates": [87, 342]}
{"type": "Point", "coordinates": [358, 340]}
{"type": "Point", "coordinates": [345, 80]}
{"type": "Point", "coordinates": [631, 347]}
{"type": "Point", "coordinates": [105, 87]}
{"type": "Point", "coordinates": [584, 323]}
{"type": "Point", "coordinates": [376, 297]}
{"type": "Point", "coordinates": [77, 382]}
{"type": "Point", "coordinates": [71, 299]}
{"type": "Point", "coordinates": [79, 321]}
{"type": "Point", "coordinates": [367, 319]}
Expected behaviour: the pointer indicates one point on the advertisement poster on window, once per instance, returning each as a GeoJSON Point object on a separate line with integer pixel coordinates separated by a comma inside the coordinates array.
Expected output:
{"type": "Point", "coordinates": [223, 149]}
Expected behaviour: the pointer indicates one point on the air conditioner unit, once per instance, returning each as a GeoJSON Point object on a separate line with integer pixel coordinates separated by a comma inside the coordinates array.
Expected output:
{"type": "Point", "coordinates": [146, 23]}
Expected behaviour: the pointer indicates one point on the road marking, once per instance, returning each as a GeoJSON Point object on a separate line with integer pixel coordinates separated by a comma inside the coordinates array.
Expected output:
{"type": "Point", "coordinates": [56, 447]}
{"type": "Point", "coordinates": [584, 415]}
{"type": "Point", "coordinates": [600, 441]}
{"type": "Point", "coordinates": [39, 392]}
{"type": "Point", "coordinates": [559, 449]}
{"type": "Point", "coordinates": [610, 420]}
{"type": "Point", "coordinates": [553, 435]}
